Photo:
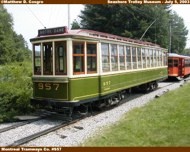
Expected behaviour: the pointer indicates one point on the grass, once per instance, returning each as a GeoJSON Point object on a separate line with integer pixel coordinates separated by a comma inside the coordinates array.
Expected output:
{"type": "Point", "coordinates": [163, 122]}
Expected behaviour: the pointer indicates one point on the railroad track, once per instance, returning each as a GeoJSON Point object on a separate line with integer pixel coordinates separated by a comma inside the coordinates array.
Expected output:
{"type": "Point", "coordinates": [41, 133]}
{"type": "Point", "coordinates": [64, 123]}
{"type": "Point", "coordinates": [41, 115]}
{"type": "Point", "coordinates": [19, 124]}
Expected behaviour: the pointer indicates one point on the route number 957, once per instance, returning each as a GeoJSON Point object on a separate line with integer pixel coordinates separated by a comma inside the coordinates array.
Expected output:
{"type": "Point", "coordinates": [48, 86]}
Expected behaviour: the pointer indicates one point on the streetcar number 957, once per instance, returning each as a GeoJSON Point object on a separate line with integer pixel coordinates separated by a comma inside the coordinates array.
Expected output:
{"type": "Point", "coordinates": [48, 86]}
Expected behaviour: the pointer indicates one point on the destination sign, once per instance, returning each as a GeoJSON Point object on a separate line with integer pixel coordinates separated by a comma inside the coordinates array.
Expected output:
{"type": "Point", "coordinates": [52, 31]}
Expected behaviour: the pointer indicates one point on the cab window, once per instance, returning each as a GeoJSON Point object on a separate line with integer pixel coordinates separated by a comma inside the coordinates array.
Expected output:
{"type": "Point", "coordinates": [47, 59]}
{"type": "Point", "coordinates": [37, 59]}
{"type": "Point", "coordinates": [60, 58]}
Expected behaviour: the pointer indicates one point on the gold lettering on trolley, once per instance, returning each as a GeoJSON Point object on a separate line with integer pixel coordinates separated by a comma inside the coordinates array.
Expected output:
{"type": "Point", "coordinates": [56, 86]}
{"type": "Point", "coordinates": [48, 86]}
{"type": "Point", "coordinates": [106, 85]}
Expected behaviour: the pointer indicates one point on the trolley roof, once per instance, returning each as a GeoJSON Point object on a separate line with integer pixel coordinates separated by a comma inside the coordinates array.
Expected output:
{"type": "Point", "coordinates": [177, 55]}
{"type": "Point", "coordinates": [63, 31]}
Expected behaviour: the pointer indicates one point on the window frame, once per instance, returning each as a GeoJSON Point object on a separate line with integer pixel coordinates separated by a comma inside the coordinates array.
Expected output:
{"type": "Point", "coordinates": [81, 55]}
{"type": "Point", "coordinates": [134, 56]}
{"type": "Point", "coordinates": [114, 55]}
{"type": "Point", "coordinates": [139, 58]}
{"type": "Point", "coordinates": [57, 45]}
{"type": "Point", "coordinates": [128, 56]}
{"type": "Point", "coordinates": [122, 55]}
{"type": "Point", "coordinates": [44, 59]}
{"type": "Point", "coordinates": [92, 56]}
{"type": "Point", "coordinates": [107, 55]}
{"type": "Point", "coordinates": [39, 70]}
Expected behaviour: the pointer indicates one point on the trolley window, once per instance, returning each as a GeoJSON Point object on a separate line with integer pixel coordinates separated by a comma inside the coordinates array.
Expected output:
{"type": "Point", "coordinates": [91, 58]}
{"type": "Point", "coordinates": [160, 58]}
{"type": "Point", "coordinates": [139, 57]}
{"type": "Point", "coordinates": [175, 63]}
{"type": "Point", "coordinates": [122, 57]}
{"type": "Point", "coordinates": [157, 58]}
{"type": "Point", "coordinates": [154, 58]}
{"type": "Point", "coordinates": [37, 59]}
{"type": "Point", "coordinates": [47, 59]}
{"type": "Point", "coordinates": [151, 57]}
{"type": "Point", "coordinates": [143, 58]}
{"type": "Point", "coordinates": [114, 57]}
{"type": "Point", "coordinates": [164, 59]}
{"type": "Point", "coordinates": [60, 58]}
{"type": "Point", "coordinates": [147, 58]}
{"type": "Point", "coordinates": [128, 57]}
{"type": "Point", "coordinates": [170, 63]}
{"type": "Point", "coordinates": [134, 57]}
{"type": "Point", "coordinates": [105, 57]}
{"type": "Point", "coordinates": [78, 57]}
{"type": "Point", "coordinates": [187, 62]}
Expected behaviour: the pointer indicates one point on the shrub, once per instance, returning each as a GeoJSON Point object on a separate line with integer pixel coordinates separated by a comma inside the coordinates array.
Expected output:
{"type": "Point", "coordinates": [15, 89]}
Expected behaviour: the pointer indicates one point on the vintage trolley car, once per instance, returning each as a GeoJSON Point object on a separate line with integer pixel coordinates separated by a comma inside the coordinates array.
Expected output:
{"type": "Point", "coordinates": [74, 68]}
{"type": "Point", "coordinates": [178, 66]}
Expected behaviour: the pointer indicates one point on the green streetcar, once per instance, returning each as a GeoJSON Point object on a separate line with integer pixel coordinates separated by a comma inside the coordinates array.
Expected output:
{"type": "Point", "coordinates": [82, 68]}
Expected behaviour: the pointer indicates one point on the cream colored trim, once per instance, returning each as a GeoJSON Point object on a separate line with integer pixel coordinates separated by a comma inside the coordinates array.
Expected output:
{"type": "Point", "coordinates": [131, 57]}
{"type": "Point", "coordinates": [69, 58]}
{"type": "Point", "coordinates": [99, 58]}
{"type": "Point", "coordinates": [33, 59]}
{"type": "Point", "coordinates": [42, 56]}
{"type": "Point", "coordinates": [75, 98]}
{"type": "Point", "coordinates": [50, 40]}
{"type": "Point", "coordinates": [134, 70]}
{"type": "Point", "coordinates": [115, 72]}
{"type": "Point", "coordinates": [81, 78]}
{"type": "Point", "coordinates": [85, 57]}
{"type": "Point", "coordinates": [53, 49]}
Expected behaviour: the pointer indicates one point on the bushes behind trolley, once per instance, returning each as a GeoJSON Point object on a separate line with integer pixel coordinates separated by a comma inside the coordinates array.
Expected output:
{"type": "Point", "coordinates": [15, 89]}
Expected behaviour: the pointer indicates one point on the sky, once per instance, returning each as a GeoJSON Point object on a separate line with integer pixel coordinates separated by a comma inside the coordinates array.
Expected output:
{"type": "Point", "coordinates": [29, 18]}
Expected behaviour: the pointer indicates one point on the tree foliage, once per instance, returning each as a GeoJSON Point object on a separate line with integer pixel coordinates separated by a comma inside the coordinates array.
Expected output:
{"type": "Point", "coordinates": [13, 47]}
{"type": "Point", "coordinates": [178, 33]}
{"type": "Point", "coordinates": [75, 25]}
{"type": "Point", "coordinates": [186, 52]}
{"type": "Point", "coordinates": [15, 75]}
{"type": "Point", "coordinates": [133, 20]}
{"type": "Point", "coordinates": [15, 89]}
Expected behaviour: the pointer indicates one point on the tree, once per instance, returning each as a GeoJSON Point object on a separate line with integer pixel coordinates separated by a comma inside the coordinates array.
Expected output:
{"type": "Point", "coordinates": [186, 52]}
{"type": "Point", "coordinates": [178, 33]}
{"type": "Point", "coordinates": [13, 47]}
{"type": "Point", "coordinates": [132, 21]}
{"type": "Point", "coordinates": [75, 25]}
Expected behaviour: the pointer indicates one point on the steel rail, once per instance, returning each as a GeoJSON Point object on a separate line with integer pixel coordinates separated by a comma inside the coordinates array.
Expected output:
{"type": "Point", "coordinates": [44, 132]}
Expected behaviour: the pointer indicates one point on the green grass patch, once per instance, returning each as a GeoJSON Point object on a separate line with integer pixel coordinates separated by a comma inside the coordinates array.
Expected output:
{"type": "Point", "coordinates": [163, 122]}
